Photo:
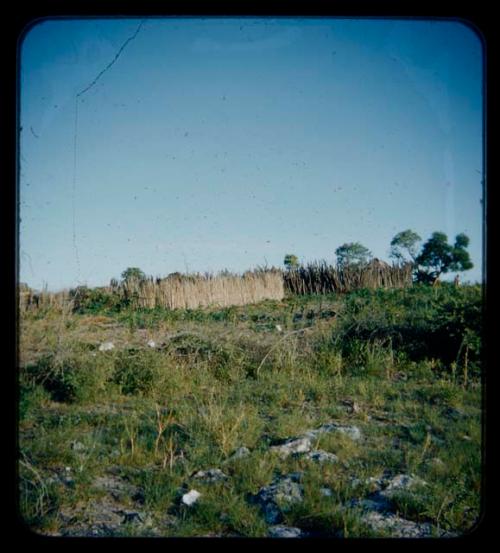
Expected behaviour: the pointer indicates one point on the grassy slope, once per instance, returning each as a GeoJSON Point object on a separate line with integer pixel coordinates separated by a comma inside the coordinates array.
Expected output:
{"type": "Point", "coordinates": [148, 418]}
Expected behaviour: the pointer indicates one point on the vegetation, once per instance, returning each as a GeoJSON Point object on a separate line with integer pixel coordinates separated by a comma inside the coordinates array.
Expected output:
{"type": "Point", "coordinates": [321, 278]}
{"type": "Point", "coordinates": [404, 246]}
{"type": "Point", "coordinates": [352, 254]}
{"type": "Point", "coordinates": [106, 434]}
{"type": "Point", "coordinates": [127, 391]}
{"type": "Point", "coordinates": [291, 261]}
{"type": "Point", "coordinates": [133, 273]}
{"type": "Point", "coordinates": [177, 291]}
{"type": "Point", "coordinates": [355, 270]}
{"type": "Point", "coordinates": [438, 257]}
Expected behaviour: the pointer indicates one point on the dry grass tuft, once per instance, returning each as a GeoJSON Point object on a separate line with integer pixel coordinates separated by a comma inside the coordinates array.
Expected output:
{"type": "Point", "coordinates": [321, 278]}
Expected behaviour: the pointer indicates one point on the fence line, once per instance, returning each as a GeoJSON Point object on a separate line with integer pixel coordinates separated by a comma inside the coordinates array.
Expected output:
{"type": "Point", "coordinates": [225, 289]}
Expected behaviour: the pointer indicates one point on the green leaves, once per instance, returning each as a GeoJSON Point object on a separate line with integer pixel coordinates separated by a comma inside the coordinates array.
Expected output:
{"type": "Point", "coordinates": [404, 246]}
{"type": "Point", "coordinates": [352, 254]}
{"type": "Point", "coordinates": [291, 261]}
{"type": "Point", "coordinates": [133, 273]}
{"type": "Point", "coordinates": [437, 256]}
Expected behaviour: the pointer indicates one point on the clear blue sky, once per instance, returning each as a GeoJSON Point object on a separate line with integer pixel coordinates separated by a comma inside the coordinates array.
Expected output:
{"type": "Point", "coordinates": [228, 143]}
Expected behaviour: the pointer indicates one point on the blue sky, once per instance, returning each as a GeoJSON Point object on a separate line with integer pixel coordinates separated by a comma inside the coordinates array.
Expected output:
{"type": "Point", "coordinates": [227, 143]}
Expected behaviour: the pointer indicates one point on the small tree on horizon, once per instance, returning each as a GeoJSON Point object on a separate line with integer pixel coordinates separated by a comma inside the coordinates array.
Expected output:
{"type": "Point", "coordinates": [438, 257]}
{"type": "Point", "coordinates": [291, 261]}
{"type": "Point", "coordinates": [404, 247]}
{"type": "Point", "coordinates": [352, 254]}
{"type": "Point", "coordinates": [133, 273]}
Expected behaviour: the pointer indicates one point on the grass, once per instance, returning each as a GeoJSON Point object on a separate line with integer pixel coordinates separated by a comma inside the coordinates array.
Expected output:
{"type": "Point", "coordinates": [220, 379]}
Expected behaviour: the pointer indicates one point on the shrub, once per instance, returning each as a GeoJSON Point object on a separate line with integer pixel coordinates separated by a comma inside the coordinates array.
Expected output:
{"type": "Point", "coordinates": [421, 322]}
{"type": "Point", "coordinates": [136, 372]}
{"type": "Point", "coordinates": [91, 300]}
{"type": "Point", "coordinates": [69, 379]}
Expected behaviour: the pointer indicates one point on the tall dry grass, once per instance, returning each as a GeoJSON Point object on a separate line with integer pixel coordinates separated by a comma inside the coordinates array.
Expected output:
{"type": "Point", "coordinates": [174, 292]}
{"type": "Point", "coordinates": [193, 291]}
{"type": "Point", "coordinates": [321, 278]}
{"type": "Point", "coordinates": [224, 289]}
{"type": "Point", "coordinates": [31, 300]}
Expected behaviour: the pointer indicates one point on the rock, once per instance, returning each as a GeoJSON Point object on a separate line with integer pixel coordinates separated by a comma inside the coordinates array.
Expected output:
{"type": "Point", "coordinates": [294, 445]}
{"type": "Point", "coordinates": [352, 431]}
{"type": "Point", "coordinates": [326, 492]}
{"type": "Point", "coordinates": [384, 490]}
{"type": "Point", "coordinates": [133, 517]}
{"type": "Point", "coordinates": [190, 498]}
{"type": "Point", "coordinates": [106, 346]}
{"type": "Point", "coordinates": [284, 532]}
{"type": "Point", "coordinates": [277, 497]}
{"type": "Point", "coordinates": [351, 406]}
{"type": "Point", "coordinates": [210, 475]}
{"type": "Point", "coordinates": [377, 503]}
{"type": "Point", "coordinates": [99, 517]}
{"type": "Point", "coordinates": [396, 526]}
{"type": "Point", "coordinates": [320, 456]}
{"type": "Point", "coordinates": [118, 489]}
{"type": "Point", "coordinates": [240, 453]}
{"type": "Point", "coordinates": [401, 482]}
{"type": "Point", "coordinates": [68, 481]}
{"type": "Point", "coordinates": [152, 344]}
{"type": "Point", "coordinates": [374, 483]}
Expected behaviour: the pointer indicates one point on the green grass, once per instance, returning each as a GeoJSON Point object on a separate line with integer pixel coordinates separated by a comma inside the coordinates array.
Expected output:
{"type": "Point", "coordinates": [153, 417]}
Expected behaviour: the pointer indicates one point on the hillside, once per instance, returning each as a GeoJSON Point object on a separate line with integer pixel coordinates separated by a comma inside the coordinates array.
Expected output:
{"type": "Point", "coordinates": [337, 415]}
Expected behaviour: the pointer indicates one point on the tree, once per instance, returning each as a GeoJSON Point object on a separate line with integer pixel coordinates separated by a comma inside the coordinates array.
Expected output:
{"type": "Point", "coordinates": [291, 261]}
{"type": "Point", "coordinates": [404, 246]}
{"type": "Point", "coordinates": [352, 254]}
{"type": "Point", "coordinates": [133, 273]}
{"type": "Point", "coordinates": [438, 257]}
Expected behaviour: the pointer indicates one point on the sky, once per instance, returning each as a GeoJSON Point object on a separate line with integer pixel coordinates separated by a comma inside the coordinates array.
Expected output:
{"type": "Point", "coordinates": [203, 144]}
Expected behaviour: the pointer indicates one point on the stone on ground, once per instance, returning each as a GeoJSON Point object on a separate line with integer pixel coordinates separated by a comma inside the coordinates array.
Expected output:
{"type": "Point", "coordinates": [294, 445]}
{"type": "Point", "coordinates": [279, 496]}
{"type": "Point", "coordinates": [284, 532]}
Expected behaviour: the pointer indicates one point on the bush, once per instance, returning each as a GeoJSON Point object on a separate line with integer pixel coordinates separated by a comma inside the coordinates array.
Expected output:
{"type": "Point", "coordinates": [70, 379]}
{"type": "Point", "coordinates": [91, 300]}
{"type": "Point", "coordinates": [136, 372]}
{"type": "Point", "coordinates": [421, 322]}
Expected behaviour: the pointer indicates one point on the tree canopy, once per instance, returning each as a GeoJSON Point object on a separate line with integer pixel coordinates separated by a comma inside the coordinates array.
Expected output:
{"type": "Point", "coordinates": [291, 261]}
{"type": "Point", "coordinates": [352, 254]}
{"type": "Point", "coordinates": [133, 273]}
{"type": "Point", "coordinates": [404, 246]}
{"type": "Point", "coordinates": [438, 257]}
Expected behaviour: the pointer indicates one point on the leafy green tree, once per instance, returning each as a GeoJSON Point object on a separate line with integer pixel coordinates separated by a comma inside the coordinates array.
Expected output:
{"type": "Point", "coordinates": [133, 273]}
{"type": "Point", "coordinates": [352, 254]}
{"type": "Point", "coordinates": [404, 246]}
{"type": "Point", "coordinates": [291, 261]}
{"type": "Point", "coordinates": [438, 257]}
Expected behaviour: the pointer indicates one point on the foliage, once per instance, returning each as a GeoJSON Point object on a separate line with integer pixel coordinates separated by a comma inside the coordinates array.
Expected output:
{"type": "Point", "coordinates": [136, 372]}
{"type": "Point", "coordinates": [71, 378]}
{"type": "Point", "coordinates": [352, 254]}
{"type": "Point", "coordinates": [133, 273]}
{"type": "Point", "coordinates": [93, 300]}
{"type": "Point", "coordinates": [150, 418]}
{"type": "Point", "coordinates": [404, 246]}
{"type": "Point", "coordinates": [420, 322]}
{"type": "Point", "coordinates": [438, 257]}
{"type": "Point", "coordinates": [291, 261]}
